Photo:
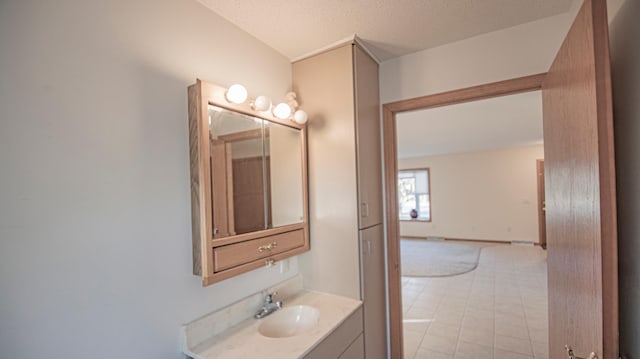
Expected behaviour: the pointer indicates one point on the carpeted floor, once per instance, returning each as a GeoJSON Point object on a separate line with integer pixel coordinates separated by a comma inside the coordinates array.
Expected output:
{"type": "Point", "coordinates": [425, 258]}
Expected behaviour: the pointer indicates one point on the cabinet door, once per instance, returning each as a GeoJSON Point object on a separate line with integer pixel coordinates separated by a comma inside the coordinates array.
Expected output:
{"type": "Point", "coordinates": [355, 350]}
{"type": "Point", "coordinates": [369, 160]}
{"type": "Point", "coordinates": [340, 339]}
{"type": "Point", "coordinates": [373, 292]}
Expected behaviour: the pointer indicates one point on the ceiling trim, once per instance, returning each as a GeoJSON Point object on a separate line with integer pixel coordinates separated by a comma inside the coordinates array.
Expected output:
{"type": "Point", "coordinates": [353, 39]}
{"type": "Point", "coordinates": [333, 45]}
{"type": "Point", "coordinates": [364, 47]}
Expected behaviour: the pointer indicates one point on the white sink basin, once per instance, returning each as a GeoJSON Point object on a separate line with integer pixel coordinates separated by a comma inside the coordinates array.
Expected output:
{"type": "Point", "coordinates": [289, 322]}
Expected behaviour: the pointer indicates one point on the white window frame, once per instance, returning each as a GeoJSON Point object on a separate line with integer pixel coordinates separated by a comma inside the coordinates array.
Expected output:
{"type": "Point", "coordinates": [405, 195]}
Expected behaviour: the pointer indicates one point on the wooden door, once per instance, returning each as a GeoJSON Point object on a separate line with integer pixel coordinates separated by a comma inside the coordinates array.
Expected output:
{"type": "Point", "coordinates": [580, 191]}
{"type": "Point", "coordinates": [542, 216]}
{"type": "Point", "coordinates": [249, 195]}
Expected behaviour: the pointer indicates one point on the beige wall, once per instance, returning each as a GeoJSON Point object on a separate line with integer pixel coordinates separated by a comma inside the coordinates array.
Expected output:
{"type": "Point", "coordinates": [500, 55]}
{"type": "Point", "coordinates": [514, 52]}
{"type": "Point", "coordinates": [95, 223]}
{"type": "Point", "coordinates": [333, 264]}
{"type": "Point", "coordinates": [490, 195]}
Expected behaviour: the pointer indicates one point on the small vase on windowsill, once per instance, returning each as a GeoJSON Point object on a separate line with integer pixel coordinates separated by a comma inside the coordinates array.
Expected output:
{"type": "Point", "coordinates": [413, 214]}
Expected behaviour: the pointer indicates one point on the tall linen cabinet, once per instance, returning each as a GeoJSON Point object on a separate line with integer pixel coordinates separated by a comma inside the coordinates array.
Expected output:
{"type": "Point", "coordinates": [339, 90]}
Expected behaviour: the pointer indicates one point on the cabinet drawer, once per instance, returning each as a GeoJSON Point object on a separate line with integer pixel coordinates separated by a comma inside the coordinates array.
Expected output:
{"type": "Point", "coordinates": [232, 255]}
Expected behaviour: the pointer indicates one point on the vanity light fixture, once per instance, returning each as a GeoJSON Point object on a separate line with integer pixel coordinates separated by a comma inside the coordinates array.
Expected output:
{"type": "Point", "coordinates": [287, 110]}
{"type": "Point", "coordinates": [236, 94]}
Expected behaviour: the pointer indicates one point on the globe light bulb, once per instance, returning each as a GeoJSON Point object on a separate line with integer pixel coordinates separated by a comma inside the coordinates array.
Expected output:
{"type": "Point", "coordinates": [300, 117]}
{"type": "Point", "coordinates": [236, 94]}
{"type": "Point", "coordinates": [262, 103]}
{"type": "Point", "coordinates": [282, 111]}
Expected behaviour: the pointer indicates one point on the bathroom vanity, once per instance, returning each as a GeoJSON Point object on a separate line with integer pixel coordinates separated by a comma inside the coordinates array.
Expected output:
{"type": "Point", "coordinates": [311, 325]}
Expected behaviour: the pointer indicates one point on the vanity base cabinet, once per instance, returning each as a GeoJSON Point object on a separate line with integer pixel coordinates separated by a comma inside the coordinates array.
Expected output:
{"type": "Point", "coordinates": [344, 342]}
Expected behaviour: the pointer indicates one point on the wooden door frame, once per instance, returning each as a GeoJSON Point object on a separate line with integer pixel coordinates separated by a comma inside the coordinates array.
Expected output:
{"type": "Point", "coordinates": [390, 151]}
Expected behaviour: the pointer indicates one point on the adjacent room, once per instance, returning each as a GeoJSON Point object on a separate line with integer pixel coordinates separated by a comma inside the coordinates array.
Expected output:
{"type": "Point", "coordinates": [471, 209]}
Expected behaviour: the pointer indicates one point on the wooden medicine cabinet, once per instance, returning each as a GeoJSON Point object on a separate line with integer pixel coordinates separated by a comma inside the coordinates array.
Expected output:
{"type": "Point", "coordinates": [249, 191]}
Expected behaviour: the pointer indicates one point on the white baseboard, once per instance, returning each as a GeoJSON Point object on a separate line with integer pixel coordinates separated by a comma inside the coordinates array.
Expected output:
{"type": "Point", "coordinates": [523, 243]}
{"type": "Point", "coordinates": [434, 238]}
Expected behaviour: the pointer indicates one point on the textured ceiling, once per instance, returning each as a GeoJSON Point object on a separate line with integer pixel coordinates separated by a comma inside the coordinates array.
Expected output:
{"type": "Point", "coordinates": [500, 122]}
{"type": "Point", "coordinates": [390, 28]}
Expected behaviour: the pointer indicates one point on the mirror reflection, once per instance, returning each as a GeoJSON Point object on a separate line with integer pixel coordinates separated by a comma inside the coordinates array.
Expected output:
{"type": "Point", "coordinates": [283, 148]}
{"type": "Point", "coordinates": [256, 173]}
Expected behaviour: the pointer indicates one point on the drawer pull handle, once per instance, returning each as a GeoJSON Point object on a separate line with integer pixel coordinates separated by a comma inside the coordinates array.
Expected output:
{"type": "Point", "coordinates": [267, 247]}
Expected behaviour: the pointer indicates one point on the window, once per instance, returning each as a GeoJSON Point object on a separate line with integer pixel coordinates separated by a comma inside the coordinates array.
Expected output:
{"type": "Point", "coordinates": [413, 194]}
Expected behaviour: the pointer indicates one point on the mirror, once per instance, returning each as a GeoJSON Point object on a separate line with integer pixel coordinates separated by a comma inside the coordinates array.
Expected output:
{"type": "Point", "coordinates": [256, 171]}
{"type": "Point", "coordinates": [249, 197]}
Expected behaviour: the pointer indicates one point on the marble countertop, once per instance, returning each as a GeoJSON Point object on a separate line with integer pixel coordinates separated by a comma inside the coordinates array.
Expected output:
{"type": "Point", "coordinates": [244, 340]}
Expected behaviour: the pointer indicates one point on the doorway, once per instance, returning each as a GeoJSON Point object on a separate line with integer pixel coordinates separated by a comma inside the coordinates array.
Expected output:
{"type": "Point", "coordinates": [466, 290]}
{"type": "Point", "coordinates": [503, 88]}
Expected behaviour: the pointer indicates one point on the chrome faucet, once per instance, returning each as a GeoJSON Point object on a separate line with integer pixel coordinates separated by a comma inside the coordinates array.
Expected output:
{"type": "Point", "coordinates": [269, 306]}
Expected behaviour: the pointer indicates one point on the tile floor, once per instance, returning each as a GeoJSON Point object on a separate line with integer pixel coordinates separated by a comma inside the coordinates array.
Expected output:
{"type": "Point", "coordinates": [497, 311]}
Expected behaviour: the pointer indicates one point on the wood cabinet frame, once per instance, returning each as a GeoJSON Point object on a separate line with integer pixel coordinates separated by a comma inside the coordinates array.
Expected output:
{"type": "Point", "coordinates": [200, 96]}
